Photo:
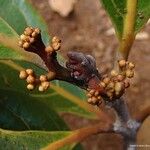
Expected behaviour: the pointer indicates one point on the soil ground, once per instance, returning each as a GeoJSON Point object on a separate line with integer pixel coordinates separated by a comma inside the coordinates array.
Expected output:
{"type": "Point", "coordinates": [88, 29]}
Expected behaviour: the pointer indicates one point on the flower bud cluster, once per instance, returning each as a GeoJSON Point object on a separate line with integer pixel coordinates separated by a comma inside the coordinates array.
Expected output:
{"type": "Point", "coordinates": [113, 86]}
{"type": "Point", "coordinates": [116, 84]}
{"type": "Point", "coordinates": [54, 46]}
{"type": "Point", "coordinates": [32, 81]}
{"type": "Point", "coordinates": [28, 37]}
{"type": "Point", "coordinates": [94, 97]}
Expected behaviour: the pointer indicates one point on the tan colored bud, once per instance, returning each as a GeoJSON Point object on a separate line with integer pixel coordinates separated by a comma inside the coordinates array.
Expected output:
{"type": "Point", "coordinates": [45, 85]}
{"type": "Point", "coordinates": [23, 37]}
{"type": "Point", "coordinates": [41, 88]}
{"type": "Point", "coordinates": [43, 78]}
{"type": "Point", "coordinates": [118, 88]}
{"type": "Point", "coordinates": [34, 34]}
{"type": "Point", "coordinates": [89, 95]}
{"type": "Point", "coordinates": [129, 73]}
{"type": "Point", "coordinates": [120, 77]}
{"type": "Point", "coordinates": [37, 30]}
{"type": "Point", "coordinates": [51, 75]}
{"type": "Point", "coordinates": [23, 74]}
{"type": "Point", "coordinates": [110, 85]}
{"type": "Point", "coordinates": [56, 46]}
{"type": "Point", "coordinates": [96, 93]}
{"type": "Point", "coordinates": [94, 100]}
{"type": "Point", "coordinates": [114, 73]}
{"type": "Point", "coordinates": [20, 43]}
{"type": "Point", "coordinates": [122, 63]}
{"type": "Point", "coordinates": [26, 45]}
{"type": "Point", "coordinates": [89, 100]}
{"type": "Point", "coordinates": [106, 80]}
{"type": "Point", "coordinates": [131, 65]}
{"type": "Point", "coordinates": [28, 31]}
{"type": "Point", "coordinates": [30, 79]}
{"type": "Point", "coordinates": [49, 49]}
{"type": "Point", "coordinates": [92, 91]}
{"type": "Point", "coordinates": [30, 87]}
{"type": "Point", "coordinates": [102, 84]}
{"type": "Point", "coordinates": [56, 39]}
{"type": "Point", "coordinates": [29, 71]}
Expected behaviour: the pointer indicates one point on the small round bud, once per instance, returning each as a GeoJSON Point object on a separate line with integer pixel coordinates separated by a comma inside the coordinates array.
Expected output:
{"type": "Point", "coordinates": [49, 49]}
{"type": "Point", "coordinates": [56, 46]}
{"type": "Point", "coordinates": [23, 37]}
{"type": "Point", "coordinates": [43, 78]}
{"type": "Point", "coordinates": [109, 94]}
{"type": "Point", "coordinates": [56, 39]}
{"type": "Point", "coordinates": [34, 34]}
{"type": "Point", "coordinates": [94, 100]}
{"type": "Point", "coordinates": [99, 97]}
{"type": "Point", "coordinates": [92, 91]}
{"type": "Point", "coordinates": [26, 45]}
{"type": "Point", "coordinates": [89, 100]}
{"type": "Point", "coordinates": [29, 71]}
{"type": "Point", "coordinates": [28, 31]}
{"type": "Point", "coordinates": [106, 80]}
{"type": "Point", "coordinates": [114, 73]}
{"type": "Point", "coordinates": [41, 88]}
{"type": "Point", "coordinates": [131, 65]}
{"type": "Point", "coordinates": [45, 85]}
{"type": "Point", "coordinates": [23, 74]}
{"type": "Point", "coordinates": [37, 30]}
{"type": "Point", "coordinates": [89, 95]}
{"type": "Point", "coordinates": [102, 84]}
{"type": "Point", "coordinates": [20, 43]}
{"type": "Point", "coordinates": [118, 88]}
{"type": "Point", "coordinates": [51, 75]}
{"type": "Point", "coordinates": [96, 93]}
{"type": "Point", "coordinates": [30, 87]}
{"type": "Point", "coordinates": [129, 73]}
{"type": "Point", "coordinates": [110, 85]}
{"type": "Point", "coordinates": [122, 63]}
{"type": "Point", "coordinates": [120, 77]}
{"type": "Point", "coordinates": [30, 79]}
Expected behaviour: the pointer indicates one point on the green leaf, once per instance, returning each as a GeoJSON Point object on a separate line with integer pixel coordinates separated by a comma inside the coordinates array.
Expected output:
{"type": "Point", "coordinates": [67, 100]}
{"type": "Point", "coordinates": [117, 11]}
{"type": "Point", "coordinates": [19, 111]}
{"type": "Point", "coordinates": [20, 14]}
{"type": "Point", "coordinates": [32, 140]}
{"type": "Point", "coordinates": [56, 97]}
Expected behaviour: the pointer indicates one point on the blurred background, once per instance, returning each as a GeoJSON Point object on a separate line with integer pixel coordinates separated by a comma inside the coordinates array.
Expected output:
{"type": "Point", "coordinates": [83, 25]}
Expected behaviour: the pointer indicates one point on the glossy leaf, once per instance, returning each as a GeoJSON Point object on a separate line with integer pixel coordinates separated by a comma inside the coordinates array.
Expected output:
{"type": "Point", "coordinates": [57, 97]}
{"type": "Point", "coordinates": [117, 10]}
{"type": "Point", "coordinates": [20, 14]}
{"type": "Point", "coordinates": [67, 101]}
{"type": "Point", "coordinates": [32, 140]}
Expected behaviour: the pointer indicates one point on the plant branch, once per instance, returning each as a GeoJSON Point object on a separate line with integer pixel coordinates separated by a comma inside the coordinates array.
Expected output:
{"type": "Point", "coordinates": [128, 29]}
{"type": "Point", "coordinates": [80, 134]}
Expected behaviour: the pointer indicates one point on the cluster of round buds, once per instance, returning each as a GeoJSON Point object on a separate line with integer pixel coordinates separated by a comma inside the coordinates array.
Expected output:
{"type": "Point", "coordinates": [54, 46]}
{"type": "Point", "coordinates": [28, 37]}
{"type": "Point", "coordinates": [94, 97]}
{"type": "Point", "coordinates": [44, 84]}
{"type": "Point", "coordinates": [116, 84]}
{"type": "Point", "coordinates": [32, 82]}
